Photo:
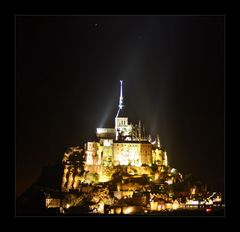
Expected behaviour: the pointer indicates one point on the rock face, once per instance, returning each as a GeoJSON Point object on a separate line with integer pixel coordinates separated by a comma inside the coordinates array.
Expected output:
{"type": "Point", "coordinates": [96, 185]}
{"type": "Point", "coordinates": [70, 188]}
{"type": "Point", "coordinates": [73, 169]}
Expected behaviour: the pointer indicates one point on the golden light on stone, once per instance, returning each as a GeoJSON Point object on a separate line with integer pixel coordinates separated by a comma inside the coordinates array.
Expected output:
{"type": "Point", "coordinates": [124, 170]}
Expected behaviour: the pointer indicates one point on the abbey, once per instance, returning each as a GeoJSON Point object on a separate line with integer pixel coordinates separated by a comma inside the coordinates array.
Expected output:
{"type": "Point", "coordinates": [125, 145]}
{"type": "Point", "coordinates": [124, 171]}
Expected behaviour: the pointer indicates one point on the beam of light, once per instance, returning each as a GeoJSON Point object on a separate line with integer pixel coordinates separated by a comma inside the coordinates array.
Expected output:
{"type": "Point", "coordinates": [112, 103]}
{"type": "Point", "coordinates": [132, 66]}
{"type": "Point", "coordinates": [154, 122]}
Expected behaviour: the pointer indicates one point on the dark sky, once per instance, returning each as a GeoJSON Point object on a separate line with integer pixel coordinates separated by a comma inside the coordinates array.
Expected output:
{"type": "Point", "coordinates": [67, 83]}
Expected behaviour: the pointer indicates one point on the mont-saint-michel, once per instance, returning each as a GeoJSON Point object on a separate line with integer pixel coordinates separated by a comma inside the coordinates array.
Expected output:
{"type": "Point", "coordinates": [123, 171]}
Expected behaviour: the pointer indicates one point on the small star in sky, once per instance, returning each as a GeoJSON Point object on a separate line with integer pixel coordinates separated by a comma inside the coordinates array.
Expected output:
{"type": "Point", "coordinates": [97, 27]}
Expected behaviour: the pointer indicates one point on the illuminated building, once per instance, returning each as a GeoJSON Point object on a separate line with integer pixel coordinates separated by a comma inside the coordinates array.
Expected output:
{"type": "Point", "coordinates": [123, 166]}
{"type": "Point", "coordinates": [126, 144]}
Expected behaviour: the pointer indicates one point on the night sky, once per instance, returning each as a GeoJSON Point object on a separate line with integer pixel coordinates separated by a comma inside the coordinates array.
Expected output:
{"type": "Point", "coordinates": [67, 83]}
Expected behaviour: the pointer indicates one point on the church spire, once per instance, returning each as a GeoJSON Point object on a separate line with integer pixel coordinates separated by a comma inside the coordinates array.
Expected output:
{"type": "Point", "coordinates": [121, 121]}
{"type": "Point", "coordinates": [121, 96]}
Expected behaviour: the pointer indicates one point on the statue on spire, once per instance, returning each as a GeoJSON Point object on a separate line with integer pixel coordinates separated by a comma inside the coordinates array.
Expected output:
{"type": "Point", "coordinates": [158, 142]}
